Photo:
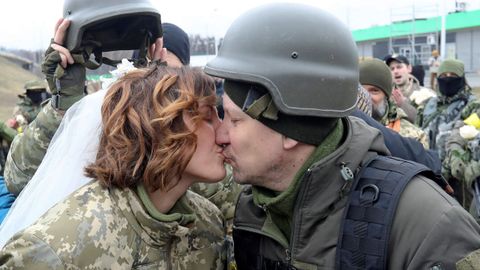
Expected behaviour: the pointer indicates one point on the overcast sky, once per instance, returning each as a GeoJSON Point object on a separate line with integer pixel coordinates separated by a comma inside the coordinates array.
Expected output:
{"type": "Point", "coordinates": [28, 24]}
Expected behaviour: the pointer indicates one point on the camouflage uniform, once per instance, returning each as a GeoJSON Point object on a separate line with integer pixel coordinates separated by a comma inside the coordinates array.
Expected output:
{"type": "Point", "coordinates": [396, 119]}
{"type": "Point", "coordinates": [407, 89]}
{"type": "Point", "coordinates": [6, 137]}
{"type": "Point", "coordinates": [25, 112]}
{"type": "Point", "coordinates": [99, 228]}
{"type": "Point", "coordinates": [27, 109]}
{"type": "Point", "coordinates": [462, 160]}
{"type": "Point", "coordinates": [29, 148]}
{"type": "Point", "coordinates": [438, 116]}
{"type": "Point", "coordinates": [471, 262]}
{"type": "Point", "coordinates": [224, 195]}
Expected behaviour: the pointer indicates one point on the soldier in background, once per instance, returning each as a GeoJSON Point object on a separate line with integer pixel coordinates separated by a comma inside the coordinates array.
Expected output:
{"type": "Point", "coordinates": [376, 78]}
{"type": "Point", "coordinates": [434, 63]}
{"type": "Point", "coordinates": [7, 135]}
{"type": "Point", "coordinates": [405, 84]}
{"type": "Point", "coordinates": [29, 105]}
{"type": "Point", "coordinates": [462, 159]}
{"type": "Point", "coordinates": [439, 116]}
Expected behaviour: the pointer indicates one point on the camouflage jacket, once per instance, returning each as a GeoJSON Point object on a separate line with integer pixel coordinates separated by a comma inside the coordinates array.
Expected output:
{"type": "Point", "coordinates": [462, 159]}
{"type": "Point", "coordinates": [397, 120]}
{"type": "Point", "coordinates": [28, 148]}
{"type": "Point", "coordinates": [25, 111]}
{"type": "Point", "coordinates": [407, 90]}
{"type": "Point", "coordinates": [438, 116]}
{"type": "Point", "coordinates": [99, 228]}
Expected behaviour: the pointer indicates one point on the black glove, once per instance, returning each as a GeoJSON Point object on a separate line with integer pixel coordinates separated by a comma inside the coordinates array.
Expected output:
{"type": "Point", "coordinates": [67, 85]}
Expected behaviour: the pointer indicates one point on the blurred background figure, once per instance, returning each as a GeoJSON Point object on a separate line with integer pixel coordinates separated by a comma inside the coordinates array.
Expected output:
{"type": "Point", "coordinates": [434, 63]}
{"type": "Point", "coordinates": [375, 77]}
{"type": "Point", "coordinates": [29, 104]}
{"type": "Point", "coordinates": [419, 73]}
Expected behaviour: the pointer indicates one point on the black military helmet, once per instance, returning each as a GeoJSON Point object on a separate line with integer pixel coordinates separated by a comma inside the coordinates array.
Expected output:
{"type": "Point", "coordinates": [111, 25]}
{"type": "Point", "coordinates": [304, 57]}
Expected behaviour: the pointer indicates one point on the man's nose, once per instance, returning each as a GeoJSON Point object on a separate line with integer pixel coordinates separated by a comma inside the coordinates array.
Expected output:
{"type": "Point", "coordinates": [221, 134]}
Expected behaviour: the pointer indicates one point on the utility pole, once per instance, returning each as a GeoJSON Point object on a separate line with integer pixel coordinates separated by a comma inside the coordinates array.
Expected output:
{"type": "Point", "coordinates": [443, 32]}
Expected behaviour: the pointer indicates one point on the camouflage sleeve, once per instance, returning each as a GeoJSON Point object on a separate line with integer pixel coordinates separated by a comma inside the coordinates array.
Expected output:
{"type": "Point", "coordinates": [29, 148]}
{"type": "Point", "coordinates": [456, 155]}
{"type": "Point", "coordinates": [223, 194]}
{"type": "Point", "coordinates": [471, 107]}
{"type": "Point", "coordinates": [7, 133]}
{"type": "Point", "coordinates": [28, 252]}
{"type": "Point", "coordinates": [471, 262]}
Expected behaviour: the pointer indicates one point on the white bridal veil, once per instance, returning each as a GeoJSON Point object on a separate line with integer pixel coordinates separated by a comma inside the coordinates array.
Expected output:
{"type": "Point", "coordinates": [73, 146]}
{"type": "Point", "coordinates": [61, 172]}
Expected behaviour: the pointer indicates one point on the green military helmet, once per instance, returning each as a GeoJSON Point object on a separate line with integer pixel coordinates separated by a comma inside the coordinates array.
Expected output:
{"type": "Point", "coordinates": [305, 57]}
{"type": "Point", "coordinates": [375, 72]}
{"type": "Point", "coordinates": [114, 24]}
{"type": "Point", "coordinates": [36, 85]}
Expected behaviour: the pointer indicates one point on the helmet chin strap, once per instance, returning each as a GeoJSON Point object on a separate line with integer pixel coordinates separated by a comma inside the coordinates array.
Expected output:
{"type": "Point", "coordinates": [93, 47]}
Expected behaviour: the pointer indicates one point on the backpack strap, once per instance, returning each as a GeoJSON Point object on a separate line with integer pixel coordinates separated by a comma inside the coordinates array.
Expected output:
{"type": "Point", "coordinates": [370, 209]}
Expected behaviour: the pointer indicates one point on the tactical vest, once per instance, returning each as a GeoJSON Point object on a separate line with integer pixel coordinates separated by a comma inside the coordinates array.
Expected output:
{"type": "Point", "coordinates": [368, 218]}
{"type": "Point", "coordinates": [438, 122]}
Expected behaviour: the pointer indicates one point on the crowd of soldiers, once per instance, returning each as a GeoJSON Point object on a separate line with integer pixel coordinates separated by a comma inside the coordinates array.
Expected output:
{"type": "Point", "coordinates": [434, 117]}
{"type": "Point", "coordinates": [333, 163]}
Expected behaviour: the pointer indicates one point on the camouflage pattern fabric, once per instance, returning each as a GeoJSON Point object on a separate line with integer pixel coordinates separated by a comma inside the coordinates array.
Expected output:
{"type": "Point", "coordinates": [25, 112]}
{"type": "Point", "coordinates": [407, 129]}
{"type": "Point", "coordinates": [408, 88]}
{"type": "Point", "coordinates": [6, 133]}
{"type": "Point", "coordinates": [28, 148]}
{"type": "Point", "coordinates": [364, 101]}
{"type": "Point", "coordinates": [6, 137]}
{"type": "Point", "coordinates": [98, 228]}
{"type": "Point", "coordinates": [438, 116]}
{"type": "Point", "coordinates": [462, 161]}
{"type": "Point", "coordinates": [471, 262]}
{"type": "Point", "coordinates": [224, 195]}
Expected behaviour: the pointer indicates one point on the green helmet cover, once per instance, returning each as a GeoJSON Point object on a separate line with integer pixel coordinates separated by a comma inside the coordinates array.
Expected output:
{"type": "Point", "coordinates": [36, 85]}
{"type": "Point", "coordinates": [375, 72]}
{"type": "Point", "coordinates": [305, 57]}
{"type": "Point", "coordinates": [114, 24]}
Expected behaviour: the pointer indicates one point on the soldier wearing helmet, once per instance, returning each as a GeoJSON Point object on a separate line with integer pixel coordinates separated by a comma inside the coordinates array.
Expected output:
{"type": "Point", "coordinates": [29, 105]}
{"type": "Point", "coordinates": [291, 77]}
{"type": "Point", "coordinates": [376, 78]}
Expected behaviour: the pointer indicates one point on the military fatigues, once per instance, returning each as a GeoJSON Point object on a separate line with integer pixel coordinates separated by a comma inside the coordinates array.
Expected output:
{"type": "Point", "coordinates": [396, 119]}
{"type": "Point", "coordinates": [407, 90]}
{"type": "Point", "coordinates": [25, 112]}
{"type": "Point", "coordinates": [462, 160]}
{"type": "Point", "coordinates": [99, 228]}
{"type": "Point", "coordinates": [6, 137]}
{"type": "Point", "coordinates": [421, 237]}
{"type": "Point", "coordinates": [438, 116]}
{"type": "Point", "coordinates": [29, 148]}
{"type": "Point", "coordinates": [224, 195]}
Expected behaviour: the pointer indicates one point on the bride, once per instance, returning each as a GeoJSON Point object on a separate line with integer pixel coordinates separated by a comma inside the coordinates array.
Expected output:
{"type": "Point", "coordinates": [155, 138]}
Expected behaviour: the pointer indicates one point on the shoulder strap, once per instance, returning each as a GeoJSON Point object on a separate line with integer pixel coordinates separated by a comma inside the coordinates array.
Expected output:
{"type": "Point", "coordinates": [368, 216]}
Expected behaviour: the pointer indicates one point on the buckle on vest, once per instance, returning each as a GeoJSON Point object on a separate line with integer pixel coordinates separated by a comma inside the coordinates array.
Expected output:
{"type": "Point", "coordinates": [369, 193]}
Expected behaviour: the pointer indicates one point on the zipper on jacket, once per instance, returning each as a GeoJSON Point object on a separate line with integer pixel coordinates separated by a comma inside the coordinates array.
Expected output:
{"type": "Point", "coordinates": [292, 233]}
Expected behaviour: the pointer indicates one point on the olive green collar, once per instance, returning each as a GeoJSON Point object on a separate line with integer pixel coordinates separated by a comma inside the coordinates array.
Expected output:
{"type": "Point", "coordinates": [181, 212]}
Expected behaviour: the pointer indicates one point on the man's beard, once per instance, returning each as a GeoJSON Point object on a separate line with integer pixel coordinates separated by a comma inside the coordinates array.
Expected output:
{"type": "Point", "coordinates": [379, 110]}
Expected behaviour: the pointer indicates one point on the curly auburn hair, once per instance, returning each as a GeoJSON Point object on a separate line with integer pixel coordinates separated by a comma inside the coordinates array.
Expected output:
{"type": "Point", "coordinates": [144, 137]}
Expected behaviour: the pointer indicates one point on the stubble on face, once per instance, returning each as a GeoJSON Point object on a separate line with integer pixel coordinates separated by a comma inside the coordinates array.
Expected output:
{"type": "Point", "coordinates": [379, 110]}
